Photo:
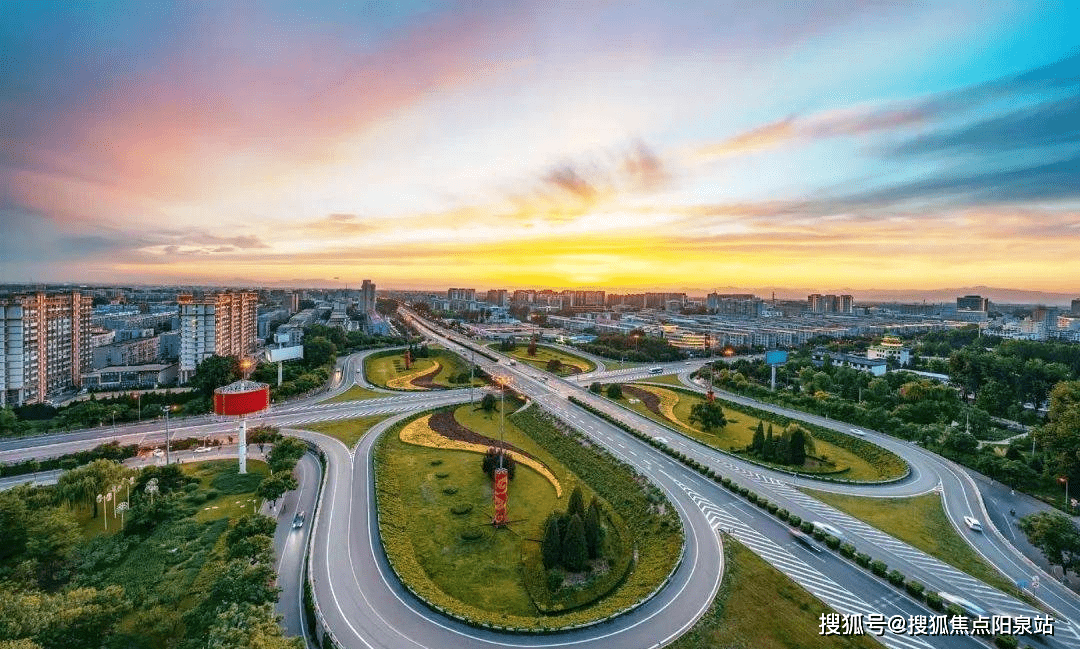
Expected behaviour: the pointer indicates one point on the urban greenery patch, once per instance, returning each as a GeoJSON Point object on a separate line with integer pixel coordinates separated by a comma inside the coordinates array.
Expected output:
{"type": "Point", "coordinates": [643, 531]}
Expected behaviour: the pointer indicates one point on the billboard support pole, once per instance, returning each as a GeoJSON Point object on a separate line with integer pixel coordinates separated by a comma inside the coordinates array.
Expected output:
{"type": "Point", "coordinates": [279, 363]}
{"type": "Point", "coordinates": [242, 450]}
{"type": "Point", "coordinates": [772, 382]}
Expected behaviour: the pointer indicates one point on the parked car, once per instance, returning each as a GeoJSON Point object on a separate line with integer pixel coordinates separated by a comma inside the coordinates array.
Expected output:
{"type": "Point", "coordinates": [973, 524]}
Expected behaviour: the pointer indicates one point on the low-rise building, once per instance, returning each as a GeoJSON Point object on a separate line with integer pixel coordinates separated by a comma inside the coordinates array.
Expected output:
{"type": "Point", "coordinates": [126, 377]}
{"type": "Point", "coordinates": [890, 347]}
{"type": "Point", "coordinates": [876, 367]}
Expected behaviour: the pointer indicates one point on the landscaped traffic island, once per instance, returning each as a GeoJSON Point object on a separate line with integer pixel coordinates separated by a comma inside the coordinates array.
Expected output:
{"type": "Point", "coordinates": [546, 358]}
{"type": "Point", "coordinates": [762, 437]}
{"type": "Point", "coordinates": [579, 545]}
{"type": "Point", "coordinates": [425, 368]}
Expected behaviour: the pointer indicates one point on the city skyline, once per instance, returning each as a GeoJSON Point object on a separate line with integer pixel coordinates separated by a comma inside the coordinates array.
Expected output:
{"type": "Point", "coordinates": [839, 145]}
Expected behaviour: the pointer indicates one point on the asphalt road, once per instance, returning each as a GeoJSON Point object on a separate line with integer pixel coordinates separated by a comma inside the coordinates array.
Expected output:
{"type": "Point", "coordinates": [929, 471]}
{"type": "Point", "coordinates": [290, 544]}
{"type": "Point", "coordinates": [366, 607]}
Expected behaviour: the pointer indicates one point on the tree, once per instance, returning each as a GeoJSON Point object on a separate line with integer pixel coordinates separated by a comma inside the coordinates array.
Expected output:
{"type": "Point", "coordinates": [14, 516]}
{"type": "Point", "coordinates": [286, 452]}
{"type": "Point", "coordinates": [247, 626]}
{"type": "Point", "coordinates": [551, 546]}
{"type": "Point", "coordinates": [1056, 535]}
{"type": "Point", "coordinates": [214, 372]}
{"type": "Point", "coordinates": [576, 505]}
{"type": "Point", "coordinates": [759, 438]}
{"type": "Point", "coordinates": [273, 487]}
{"type": "Point", "coordinates": [532, 347]}
{"type": "Point", "coordinates": [319, 351]}
{"type": "Point", "coordinates": [708, 415]}
{"type": "Point", "coordinates": [1060, 436]}
{"type": "Point", "coordinates": [796, 454]}
{"type": "Point", "coordinates": [614, 391]}
{"type": "Point", "coordinates": [487, 404]}
{"type": "Point", "coordinates": [9, 421]}
{"type": "Point", "coordinates": [554, 365]}
{"type": "Point", "coordinates": [496, 457]}
{"type": "Point", "coordinates": [595, 387]}
{"type": "Point", "coordinates": [251, 538]}
{"type": "Point", "coordinates": [51, 535]}
{"type": "Point", "coordinates": [575, 550]}
{"type": "Point", "coordinates": [593, 530]}
{"type": "Point", "coordinates": [84, 484]}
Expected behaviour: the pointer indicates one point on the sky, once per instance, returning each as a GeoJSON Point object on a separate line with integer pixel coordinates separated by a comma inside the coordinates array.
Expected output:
{"type": "Point", "coordinates": [615, 145]}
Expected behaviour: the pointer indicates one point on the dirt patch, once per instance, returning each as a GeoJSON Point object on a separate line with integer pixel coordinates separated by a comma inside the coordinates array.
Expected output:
{"type": "Point", "coordinates": [651, 401]}
{"type": "Point", "coordinates": [444, 424]}
{"type": "Point", "coordinates": [426, 380]}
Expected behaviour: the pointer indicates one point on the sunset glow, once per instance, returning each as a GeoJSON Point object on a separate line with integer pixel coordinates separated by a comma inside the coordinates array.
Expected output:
{"type": "Point", "coordinates": [838, 144]}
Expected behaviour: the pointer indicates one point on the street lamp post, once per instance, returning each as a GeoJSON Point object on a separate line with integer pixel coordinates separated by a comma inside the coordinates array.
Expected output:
{"type": "Point", "coordinates": [167, 437]}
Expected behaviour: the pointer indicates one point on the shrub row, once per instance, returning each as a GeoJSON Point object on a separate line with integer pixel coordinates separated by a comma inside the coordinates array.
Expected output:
{"type": "Point", "coordinates": [110, 451]}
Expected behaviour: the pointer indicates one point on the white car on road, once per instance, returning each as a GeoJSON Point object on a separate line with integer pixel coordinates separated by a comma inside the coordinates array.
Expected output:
{"type": "Point", "coordinates": [203, 449]}
{"type": "Point", "coordinates": [856, 431]}
{"type": "Point", "coordinates": [973, 524]}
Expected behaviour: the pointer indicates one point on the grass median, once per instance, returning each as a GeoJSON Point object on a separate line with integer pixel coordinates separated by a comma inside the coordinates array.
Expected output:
{"type": "Point", "coordinates": [920, 521]}
{"type": "Point", "coordinates": [759, 607]}
{"type": "Point", "coordinates": [674, 408]}
{"type": "Point", "coordinates": [356, 393]}
{"type": "Point", "coordinates": [348, 431]}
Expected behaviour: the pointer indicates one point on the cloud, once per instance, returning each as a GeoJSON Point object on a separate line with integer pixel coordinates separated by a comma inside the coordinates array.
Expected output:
{"type": "Point", "coordinates": [1024, 127]}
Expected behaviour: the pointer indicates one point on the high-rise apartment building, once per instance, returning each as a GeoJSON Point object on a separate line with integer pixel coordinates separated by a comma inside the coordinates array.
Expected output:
{"type": "Point", "coordinates": [972, 303]}
{"type": "Point", "coordinates": [461, 294]}
{"type": "Point", "coordinates": [1076, 307]}
{"type": "Point", "coordinates": [498, 297]}
{"type": "Point", "coordinates": [224, 324]}
{"type": "Point", "coordinates": [44, 345]}
{"type": "Point", "coordinates": [817, 303]}
{"type": "Point", "coordinates": [367, 296]}
{"type": "Point", "coordinates": [734, 304]}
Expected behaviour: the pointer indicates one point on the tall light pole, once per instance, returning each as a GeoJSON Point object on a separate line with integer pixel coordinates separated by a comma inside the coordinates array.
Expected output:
{"type": "Point", "coordinates": [167, 409]}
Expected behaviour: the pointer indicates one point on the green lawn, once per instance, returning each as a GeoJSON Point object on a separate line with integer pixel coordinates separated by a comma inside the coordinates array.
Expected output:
{"type": "Point", "coordinates": [921, 522]}
{"type": "Point", "coordinates": [739, 432]}
{"type": "Point", "coordinates": [667, 379]}
{"type": "Point", "coordinates": [349, 431]}
{"type": "Point", "coordinates": [545, 354]}
{"type": "Point", "coordinates": [224, 505]}
{"type": "Point", "coordinates": [355, 393]}
{"type": "Point", "coordinates": [222, 476]}
{"type": "Point", "coordinates": [488, 578]}
{"type": "Point", "coordinates": [757, 607]}
{"type": "Point", "coordinates": [620, 365]}
{"type": "Point", "coordinates": [485, 573]}
{"type": "Point", "coordinates": [383, 368]}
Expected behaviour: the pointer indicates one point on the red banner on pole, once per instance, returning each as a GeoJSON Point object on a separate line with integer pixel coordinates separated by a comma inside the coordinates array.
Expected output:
{"type": "Point", "coordinates": [502, 481]}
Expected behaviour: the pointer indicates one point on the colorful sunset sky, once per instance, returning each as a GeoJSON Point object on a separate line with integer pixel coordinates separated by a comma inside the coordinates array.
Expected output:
{"type": "Point", "coordinates": [614, 145]}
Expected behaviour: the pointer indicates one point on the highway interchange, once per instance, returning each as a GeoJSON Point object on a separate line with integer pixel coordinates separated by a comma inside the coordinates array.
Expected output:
{"type": "Point", "coordinates": [363, 605]}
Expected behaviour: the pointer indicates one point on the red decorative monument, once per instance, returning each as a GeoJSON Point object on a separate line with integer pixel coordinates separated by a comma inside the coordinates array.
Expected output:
{"type": "Point", "coordinates": [240, 399]}
{"type": "Point", "coordinates": [502, 481]}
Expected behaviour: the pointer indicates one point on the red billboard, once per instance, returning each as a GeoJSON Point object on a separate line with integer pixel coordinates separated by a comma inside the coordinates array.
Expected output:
{"type": "Point", "coordinates": [241, 398]}
{"type": "Point", "coordinates": [502, 481]}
